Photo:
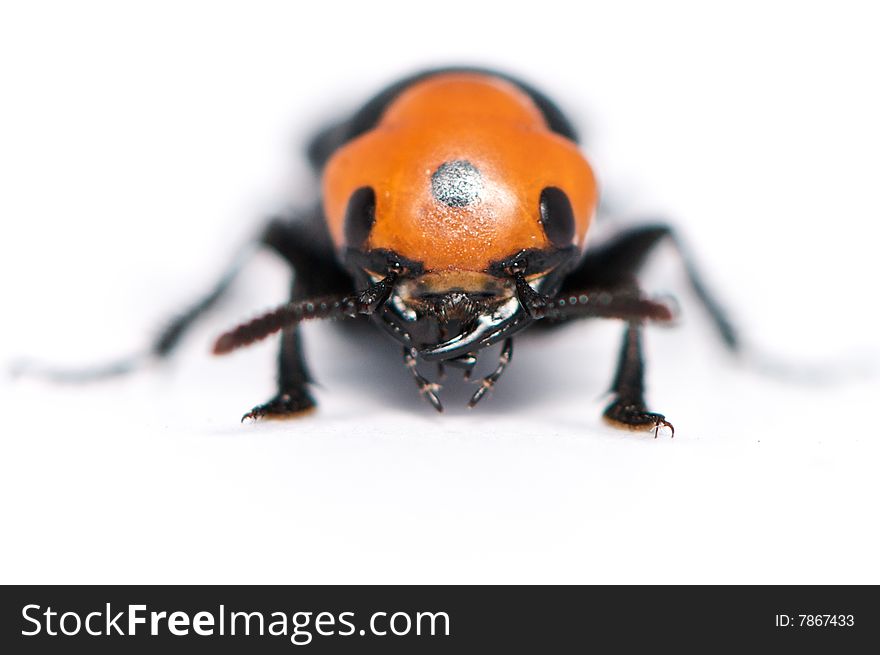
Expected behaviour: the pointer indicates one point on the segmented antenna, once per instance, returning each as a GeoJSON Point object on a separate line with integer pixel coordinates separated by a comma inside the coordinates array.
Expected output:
{"type": "Point", "coordinates": [332, 307]}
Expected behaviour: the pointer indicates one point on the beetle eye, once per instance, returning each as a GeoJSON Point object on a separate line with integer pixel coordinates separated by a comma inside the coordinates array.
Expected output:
{"type": "Point", "coordinates": [557, 217]}
{"type": "Point", "coordinates": [360, 216]}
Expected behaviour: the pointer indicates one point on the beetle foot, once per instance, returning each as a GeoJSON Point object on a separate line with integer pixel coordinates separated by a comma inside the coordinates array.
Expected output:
{"type": "Point", "coordinates": [488, 382]}
{"type": "Point", "coordinates": [289, 404]}
{"type": "Point", "coordinates": [486, 385]}
{"type": "Point", "coordinates": [429, 391]}
{"type": "Point", "coordinates": [631, 416]}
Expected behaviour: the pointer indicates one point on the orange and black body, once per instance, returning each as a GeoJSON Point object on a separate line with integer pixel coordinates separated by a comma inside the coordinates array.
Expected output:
{"type": "Point", "coordinates": [454, 212]}
{"type": "Point", "coordinates": [456, 176]}
{"type": "Point", "coordinates": [458, 204]}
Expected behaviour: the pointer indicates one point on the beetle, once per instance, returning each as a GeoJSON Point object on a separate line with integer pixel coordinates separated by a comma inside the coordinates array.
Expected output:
{"type": "Point", "coordinates": [455, 206]}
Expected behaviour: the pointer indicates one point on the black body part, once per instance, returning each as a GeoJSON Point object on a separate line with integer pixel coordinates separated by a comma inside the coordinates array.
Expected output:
{"type": "Point", "coordinates": [426, 388]}
{"type": "Point", "coordinates": [489, 329]}
{"type": "Point", "coordinates": [531, 305]}
{"type": "Point", "coordinates": [306, 247]}
{"type": "Point", "coordinates": [614, 266]}
{"type": "Point", "coordinates": [628, 407]}
{"type": "Point", "coordinates": [171, 335]}
{"type": "Point", "coordinates": [488, 382]}
{"type": "Point", "coordinates": [331, 138]}
{"type": "Point", "coordinates": [303, 242]}
{"type": "Point", "coordinates": [360, 216]}
{"type": "Point", "coordinates": [557, 216]}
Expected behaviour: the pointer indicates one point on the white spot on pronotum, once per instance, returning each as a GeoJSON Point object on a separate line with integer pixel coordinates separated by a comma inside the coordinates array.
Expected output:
{"type": "Point", "coordinates": [457, 183]}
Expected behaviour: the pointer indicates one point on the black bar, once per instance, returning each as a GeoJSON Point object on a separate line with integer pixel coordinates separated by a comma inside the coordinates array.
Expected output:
{"type": "Point", "coordinates": [480, 619]}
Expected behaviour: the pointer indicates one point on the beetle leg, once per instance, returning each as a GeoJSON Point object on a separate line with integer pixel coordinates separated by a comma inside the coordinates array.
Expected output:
{"type": "Point", "coordinates": [303, 246]}
{"type": "Point", "coordinates": [628, 409]}
{"type": "Point", "coordinates": [301, 241]}
{"type": "Point", "coordinates": [488, 382]}
{"type": "Point", "coordinates": [289, 238]}
{"type": "Point", "coordinates": [293, 397]}
{"type": "Point", "coordinates": [427, 389]}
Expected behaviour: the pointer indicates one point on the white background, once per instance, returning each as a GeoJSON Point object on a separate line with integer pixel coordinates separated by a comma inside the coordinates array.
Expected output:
{"type": "Point", "coordinates": [142, 143]}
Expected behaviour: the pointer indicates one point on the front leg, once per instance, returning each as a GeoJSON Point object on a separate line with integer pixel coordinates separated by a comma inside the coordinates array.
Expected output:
{"type": "Point", "coordinates": [307, 249]}
{"type": "Point", "coordinates": [628, 409]}
{"type": "Point", "coordinates": [293, 398]}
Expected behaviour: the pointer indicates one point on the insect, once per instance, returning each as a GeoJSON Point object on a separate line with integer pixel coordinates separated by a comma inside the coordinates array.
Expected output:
{"type": "Point", "coordinates": [454, 211]}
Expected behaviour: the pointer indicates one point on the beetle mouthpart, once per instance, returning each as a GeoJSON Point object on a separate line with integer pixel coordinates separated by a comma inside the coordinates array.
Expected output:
{"type": "Point", "coordinates": [430, 287]}
{"type": "Point", "coordinates": [485, 330]}
{"type": "Point", "coordinates": [454, 295]}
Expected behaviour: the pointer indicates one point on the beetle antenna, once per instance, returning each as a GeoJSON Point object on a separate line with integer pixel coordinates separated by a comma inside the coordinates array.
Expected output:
{"type": "Point", "coordinates": [625, 304]}
{"type": "Point", "coordinates": [332, 307]}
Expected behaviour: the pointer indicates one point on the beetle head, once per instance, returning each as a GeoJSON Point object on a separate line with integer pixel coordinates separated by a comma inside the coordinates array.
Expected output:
{"type": "Point", "coordinates": [473, 309]}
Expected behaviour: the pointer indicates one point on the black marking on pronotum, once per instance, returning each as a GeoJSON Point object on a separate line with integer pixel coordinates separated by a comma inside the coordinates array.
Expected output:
{"type": "Point", "coordinates": [557, 216]}
{"type": "Point", "coordinates": [457, 183]}
{"type": "Point", "coordinates": [360, 216]}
